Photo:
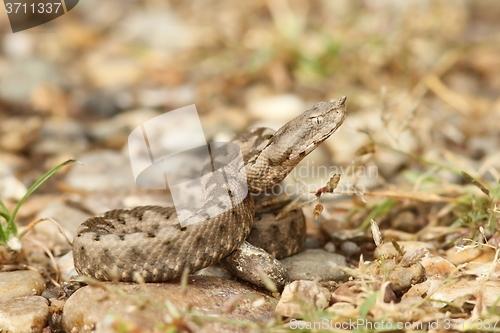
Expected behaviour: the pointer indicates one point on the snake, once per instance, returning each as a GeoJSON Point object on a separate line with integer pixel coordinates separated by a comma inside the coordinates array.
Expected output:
{"type": "Point", "coordinates": [149, 243]}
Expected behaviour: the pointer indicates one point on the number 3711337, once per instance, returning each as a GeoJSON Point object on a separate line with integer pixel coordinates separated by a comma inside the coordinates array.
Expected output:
{"type": "Point", "coordinates": [41, 8]}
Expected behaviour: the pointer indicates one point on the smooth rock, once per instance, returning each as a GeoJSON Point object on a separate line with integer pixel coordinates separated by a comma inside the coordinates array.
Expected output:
{"type": "Point", "coordinates": [460, 256]}
{"type": "Point", "coordinates": [69, 218]}
{"type": "Point", "coordinates": [254, 265]}
{"type": "Point", "coordinates": [24, 314]}
{"type": "Point", "coordinates": [177, 96]}
{"type": "Point", "coordinates": [18, 133]}
{"type": "Point", "coordinates": [121, 125]}
{"type": "Point", "coordinates": [101, 102]}
{"type": "Point", "coordinates": [10, 186]}
{"type": "Point", "coordinates": [23, 75]}
{"type": "Point", "coordinates": [103, 170]}
{"type": "Point", "coordinates": [147, 306]}
{"type": "Point", "coordinates": [299, 296]}
{"type": "Point", "coordinates": [66, 266]}
{"type": "Point", "coordinates": [388, 250]}
{"type": "Point", "coordinates": [20, 283]}
{"type": "Point", "coordinates": [61, 136]}
{"type": "Point", "coordinates": [108, 71]}
{"type": "Point", "coordinates": [18, 46]}
{"type": "Point", "coordinates": [315, 264]}
{"type": "Point", "coordinates": [277, 108]}
{"type": "Point", "coordinates": [138, 27]}
{"type": "Point", "coordinates": [402, 277]}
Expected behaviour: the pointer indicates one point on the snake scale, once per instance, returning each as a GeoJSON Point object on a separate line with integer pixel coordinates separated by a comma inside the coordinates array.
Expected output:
{"type": "Point", "coordinates": [149, 242]}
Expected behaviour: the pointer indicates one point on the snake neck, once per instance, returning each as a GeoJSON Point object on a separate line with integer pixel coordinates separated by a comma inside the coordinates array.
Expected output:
{"type": "Point", "coordinates": [291, 143]}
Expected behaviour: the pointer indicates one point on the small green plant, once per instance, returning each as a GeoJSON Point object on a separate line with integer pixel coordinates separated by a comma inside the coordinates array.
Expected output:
{"type": "Point", "coordinates": [480, 210]}
{"type": "Point", "coordinates": [8, 227]}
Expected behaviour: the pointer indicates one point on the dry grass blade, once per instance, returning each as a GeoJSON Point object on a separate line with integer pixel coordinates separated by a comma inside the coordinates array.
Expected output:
{"type": "Point", "coordinates": [468, 178]}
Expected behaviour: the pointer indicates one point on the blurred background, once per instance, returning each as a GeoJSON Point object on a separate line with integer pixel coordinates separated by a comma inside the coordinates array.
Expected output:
{"type": "Point", "coordinates": [422, 79]}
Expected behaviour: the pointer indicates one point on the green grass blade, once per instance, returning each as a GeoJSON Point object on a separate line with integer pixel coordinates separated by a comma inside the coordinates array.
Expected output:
{"type": "Point", "coordinates": [3, 208]}
{"type": "Point", "coordinates": [365, 308]}
{"type": "Point", "coordinates": [3, 236]}
{"type": "Point", "coordinates": [12, 228]}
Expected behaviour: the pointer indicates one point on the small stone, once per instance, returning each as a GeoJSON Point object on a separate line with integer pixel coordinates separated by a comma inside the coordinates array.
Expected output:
{"type": "Point", "coordinates": [255, 265]}
{"type": "Point", "coordinates": [298, 296]}
{"type": "Point", "coordinates": [101, 102]}
{"type": "Point", "coordinates": [20, 283]}
{"type": "Point", "coordinates": [22, 76]}
{"type": "Point", "coordinates": [119, 127]}
{"type": "Point", "coordinates": [17, 133]}
{"type": "Point", "coordinates": [61, 136]}
{"type": "Point", "coordinates": [459, 256]}
{"type": "Point", "coordinates": [315, 264]}
{"type": "Point", "coordinates": [277, 108]}
{"type": "Point", "coordinates": [402, 278]}
{"type": "Point", "coordinates": [177, 96]}
{"type": "Point", "coordinates": [388, 250]}
{"type": "Point", "coordinates": [24, 314]}
{"type": "Point", "coordinates": [107, 307]}
{"type": "Point", "coordinates": [103, 170]}
{"type": "Point", "coordinates": [175, 33]}
{"type": "Point", "coordinates": [69, 218]}
{"type": "Point", "coordinates": [66, 266]}
{"type": "Point", "coordinates": [10, 186]}
{"type": "Point", "coordinates": [350, 248]}
{"type": "Point", "coordinates": [18, 45]}
{"type": "Point", "coordinates": [406, 221]}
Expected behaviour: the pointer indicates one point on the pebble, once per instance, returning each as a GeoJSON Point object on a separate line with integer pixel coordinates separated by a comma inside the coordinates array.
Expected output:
{"type": "Point", "coordinates": [22, 76]}
{"type": "Point", "coordinates": [175, 96]}
{"type": "Point", "coordinates": [280, 108]}
{"type": "Point", "coordinates": [69, 219]}
{"type": "Point", "coordinates": [101, 102]}
{"type": "Point", "coordinates": [175, 34]}
{"type": "Point", "coordinates": [388, 250]}
{"type": "Point", "coordinates": [10, 186]}
{"type": "Point", "coordinates": [107, 17]}
{"type": "Point", "coordinates": [61, 136]}
{"type": "Point", "coordinates": [109, 70]}
{"type": "Point", "coordinates": [406, 221]}
{"type": "Point", "coordinates": [460, 291]}
{"type": "Point", "coordinates": [212, 298]}
{"type": "Point", "coordinates": [315, 264]}
{"type": "Point", "coordinates": [20, 283]}
{"type": "Point", "coordinates": [24, 314]}
{"type": "Point", "coordinates": [121, 125]}
{"type": "Point", "coordinates": [103, 170]}
{"type": "Point", "coordinates": [18, 45]}
{"type": "Point", "coordinates": [477, 254]}
{"type": "Point", "coordinates": [18, 133]}
{"type": "Point", "coordinates": [299, 296]}
{"type": "Point", "coordinates": [350, 248]}
{"type": "Point", "coordinates": [66, 266]}
{"type": "Point", "coordinates": [402, 278]}
{"type": "Point", "coordinates": [256, 266]}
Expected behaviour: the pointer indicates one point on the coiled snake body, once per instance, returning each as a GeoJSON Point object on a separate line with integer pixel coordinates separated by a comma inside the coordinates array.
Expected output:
{"type": "Point", "coordinates": [149, 240]}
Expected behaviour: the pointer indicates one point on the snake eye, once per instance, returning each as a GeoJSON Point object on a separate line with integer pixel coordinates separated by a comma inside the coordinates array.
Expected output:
{"type": "Point", "coordinates": [318, 120]}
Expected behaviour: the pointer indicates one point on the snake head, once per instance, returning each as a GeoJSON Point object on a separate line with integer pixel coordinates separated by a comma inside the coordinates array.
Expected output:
{"type": "Point", "coordinates": [294, 141]}
{"type": "Point", "coordinates": [302, 135]}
